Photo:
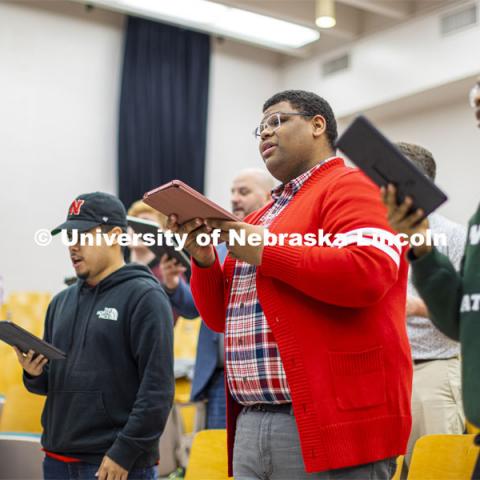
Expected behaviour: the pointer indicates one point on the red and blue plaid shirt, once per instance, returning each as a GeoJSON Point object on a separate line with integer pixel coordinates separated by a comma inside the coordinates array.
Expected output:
{"type": "Point", "coordinates": [254, 368]}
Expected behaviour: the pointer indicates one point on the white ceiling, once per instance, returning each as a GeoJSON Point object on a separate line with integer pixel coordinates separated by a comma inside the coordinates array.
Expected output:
{"type": "Point", "coordinates": [355, 18]}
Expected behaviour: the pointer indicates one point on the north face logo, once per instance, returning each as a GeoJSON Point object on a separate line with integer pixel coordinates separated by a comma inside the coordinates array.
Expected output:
{"type": "Point", "coordinates": [75, 207]}
{"type": "Point", "coordinates": [108, 314]}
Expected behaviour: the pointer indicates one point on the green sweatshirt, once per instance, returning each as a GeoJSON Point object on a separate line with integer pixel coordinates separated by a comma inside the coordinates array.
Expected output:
{"type": "Point", "coordinates": [453, 300]}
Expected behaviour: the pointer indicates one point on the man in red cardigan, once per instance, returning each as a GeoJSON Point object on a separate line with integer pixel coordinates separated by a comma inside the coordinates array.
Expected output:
{"type": "Point", "coordinates": [317, 360]}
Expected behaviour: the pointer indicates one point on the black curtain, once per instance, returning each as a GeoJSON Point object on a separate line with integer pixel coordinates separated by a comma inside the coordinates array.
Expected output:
{"type": "Point", "coordinates": [163, 108]}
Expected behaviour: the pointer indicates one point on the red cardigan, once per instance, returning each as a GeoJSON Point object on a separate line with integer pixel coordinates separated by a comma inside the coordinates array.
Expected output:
{"type": "Point", "coordinates": [338, 315]}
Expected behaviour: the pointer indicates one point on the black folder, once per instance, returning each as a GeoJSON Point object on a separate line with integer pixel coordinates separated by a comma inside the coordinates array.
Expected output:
{"type": "Point", "coordinates": [139, 225]}
{"type": "Point", "coordinates": [383, 162]}
{"type": "Point", "coordinates": [25, 341]}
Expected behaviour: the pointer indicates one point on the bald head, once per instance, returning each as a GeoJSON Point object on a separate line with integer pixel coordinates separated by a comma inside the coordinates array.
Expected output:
{"type": "Point", "coordinates": [250, 191]}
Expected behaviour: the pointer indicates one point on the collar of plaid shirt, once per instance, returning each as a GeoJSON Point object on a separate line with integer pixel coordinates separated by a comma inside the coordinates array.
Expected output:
{"type": "Point", "coordinates": [294, 185]}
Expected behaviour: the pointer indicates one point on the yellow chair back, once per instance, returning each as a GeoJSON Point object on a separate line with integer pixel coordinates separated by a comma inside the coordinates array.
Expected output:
{"type": "Point", "coordinates": [398, 471]}
{"type": "Point", "coordinates": [208, 457]}
{"type": "Point", "coordinates": [443, 457]}
{"type": "Point", "coordinates": [471, 428]}
{"type": "Point", "coordinates": [22, 411]}
{"type": "Point", "coordinates": [28, 309]}
{"type": "Point", "coordinates": [11, 371]}
{"type": "Point", "coordinates": [185, 338]}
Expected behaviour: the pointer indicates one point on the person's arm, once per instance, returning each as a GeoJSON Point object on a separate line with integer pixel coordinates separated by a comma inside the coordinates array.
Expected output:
{"type": "Point", "coordinates": [353, 275]}
{"type": "Point", "coordinates": [456, 240]}
{"type": "Point", "coordinates": [416, 307]}
{"type": "Point", "coordinates": [151, 338]}
{"type": "Point", "coordinates": [207, 277]}
{"type": "Point", "coordinates": [181, 299]}
{"type": "Point", "coordinates": [177, 289]}
{"type": "Point", "coordinates": [207, 284]}
{"type": "Point", "coordinates": [433, 274]}
{"type": "Point", "coordinates": [37, 380]}
{"type": "Point", "coordinates": [440, 286]}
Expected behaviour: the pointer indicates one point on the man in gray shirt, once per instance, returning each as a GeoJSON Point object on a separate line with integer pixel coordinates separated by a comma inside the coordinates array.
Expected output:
{"type": "Point", "coordinates": [436, 394]}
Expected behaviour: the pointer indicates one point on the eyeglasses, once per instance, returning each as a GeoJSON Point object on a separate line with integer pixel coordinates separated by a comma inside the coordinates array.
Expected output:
{"type": "Point", "coordinates": [274, 121]}
{"type": "Point", "coordinates": [475, 95]}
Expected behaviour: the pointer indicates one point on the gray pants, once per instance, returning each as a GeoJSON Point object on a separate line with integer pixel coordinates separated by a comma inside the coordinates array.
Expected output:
{"type": "Point", "coordinates": [267, 447]}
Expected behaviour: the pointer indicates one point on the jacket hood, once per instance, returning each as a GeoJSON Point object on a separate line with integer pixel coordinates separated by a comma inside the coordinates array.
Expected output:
{"type": "Point", "coordinates": [123, 274]}
{"type": "Point", "coordinates": [127, 272]}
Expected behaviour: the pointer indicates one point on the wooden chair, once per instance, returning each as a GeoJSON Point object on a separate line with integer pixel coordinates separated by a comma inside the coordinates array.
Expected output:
{"type": "Point", "coordinates": [208, 458]}
{"type": "Point", "coordinates": [188, 417]}
{"type": "Point", "coordinates": [443, 457]}
{"type": "Point", "coordinates": [11, 371]}
{"type": "Point", "coordinates": [185, 340]}
{"type": "Point", "coordinates": [398, 471]}
{"type": "Point", "coordinates": [471, 428]}
{"type": "Point", "coordinates": [3, 311]}
{"type": "Point", "coordinates": [22, 411]}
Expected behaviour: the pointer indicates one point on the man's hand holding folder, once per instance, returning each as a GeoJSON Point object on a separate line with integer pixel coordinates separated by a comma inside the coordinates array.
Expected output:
{"type": "Point", "coordinates": [31, 363]}
{"type": "Point", "coordinates": [204, 256]}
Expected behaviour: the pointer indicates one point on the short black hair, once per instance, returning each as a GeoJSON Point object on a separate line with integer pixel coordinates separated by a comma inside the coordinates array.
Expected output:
{"type": "Point", "coordinates": [311, 104]}
{"type": "Point", "coordinates": [107, 228]}
{"type": "Point", "coordinates": [420, 157]}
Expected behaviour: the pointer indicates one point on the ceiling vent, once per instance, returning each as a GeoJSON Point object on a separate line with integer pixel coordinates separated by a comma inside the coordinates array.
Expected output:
{"type": "Point", "coordinates": [458, 20]}
{"type": "Point", "coordinates": [335, 65]}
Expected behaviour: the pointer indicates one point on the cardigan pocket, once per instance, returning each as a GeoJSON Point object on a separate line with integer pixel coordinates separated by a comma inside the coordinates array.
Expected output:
{"type": "Point", "coordinates": [358, 378]}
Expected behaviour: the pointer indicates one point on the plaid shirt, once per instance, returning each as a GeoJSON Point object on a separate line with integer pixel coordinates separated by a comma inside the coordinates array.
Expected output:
{"type": "Point", "coordinates": [254, 368]}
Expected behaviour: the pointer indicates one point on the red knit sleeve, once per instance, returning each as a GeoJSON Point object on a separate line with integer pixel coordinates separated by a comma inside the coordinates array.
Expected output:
{"type": "Point", "coordinates": [207, 286]}
{"type": "Point", "coordinates": [355, 274]}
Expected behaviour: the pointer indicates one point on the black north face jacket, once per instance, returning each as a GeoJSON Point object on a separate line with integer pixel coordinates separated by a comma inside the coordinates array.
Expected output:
{"type": "Point", "coordinates": [113, 393]}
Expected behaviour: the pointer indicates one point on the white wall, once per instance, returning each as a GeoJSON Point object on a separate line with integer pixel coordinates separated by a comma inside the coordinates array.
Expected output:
{"type": "Point", "coordinates": [414, 83]}
{"type": "Point", "coordinates": [449, 131]}
{"type": "Point", "coordinates": [59, 89]}
{"type": "Point", "coordinates": [241, 79]}
{"type": "Point", "coordinates": [409, 58]}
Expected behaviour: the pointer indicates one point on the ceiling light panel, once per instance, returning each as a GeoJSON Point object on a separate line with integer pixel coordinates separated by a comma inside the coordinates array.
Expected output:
{"type": "Point", "coordinates": [218, 19]}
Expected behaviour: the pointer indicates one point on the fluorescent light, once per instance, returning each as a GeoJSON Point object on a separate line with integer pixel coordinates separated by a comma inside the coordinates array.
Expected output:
{"type": "Point", "coordinates": [202, 12]}
{"type": "Point", "coordinates": [219, 19]}
{"type": "Point", "coordinates": [267, 29]}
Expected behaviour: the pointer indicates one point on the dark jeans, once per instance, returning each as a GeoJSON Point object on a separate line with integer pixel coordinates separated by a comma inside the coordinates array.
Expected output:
{"type": "Point", "coordinates": [267, 447]}
{"type": "Point", "coordinates": [216, 407]}
{"type": "Point", "coordinates": [56, 470]}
